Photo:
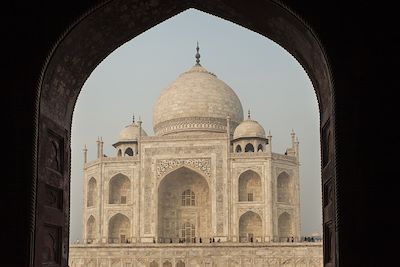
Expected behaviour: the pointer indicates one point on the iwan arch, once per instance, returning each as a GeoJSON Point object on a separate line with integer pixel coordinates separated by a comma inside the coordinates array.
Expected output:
{"type": "Point", "coordinates": [69, 64]}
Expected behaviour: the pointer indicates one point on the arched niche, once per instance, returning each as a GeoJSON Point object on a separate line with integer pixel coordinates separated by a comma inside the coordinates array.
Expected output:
{"type": "Point", "coordinates": [249, 186]}
{"type": "Point", "coordinates": [284, 188]}
{"type": "Point", "coordinates": [172, 214]}
{"type": "Point", "coordinates": [119, 227]}
{"type": "Point", "coordinates": [285, 227]}
{"type": "Point", "coordinates": [91, 229]}
{"type": "Point", "coordinates": [250, 227]}
{"type": "Point", "coordinates": [92, 192]}
{"type": "Point", "coordinates": [119, 190]}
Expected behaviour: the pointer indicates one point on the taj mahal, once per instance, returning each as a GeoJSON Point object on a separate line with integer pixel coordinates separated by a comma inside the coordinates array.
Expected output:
{"type": "Point", "coordinates": [205, 190]}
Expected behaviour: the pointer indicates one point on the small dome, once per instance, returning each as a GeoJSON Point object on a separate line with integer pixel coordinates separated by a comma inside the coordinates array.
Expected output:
{"type": "Point", "coordinates": [130, 133]}
{"type": "Point", "coordinates": [249, 128]}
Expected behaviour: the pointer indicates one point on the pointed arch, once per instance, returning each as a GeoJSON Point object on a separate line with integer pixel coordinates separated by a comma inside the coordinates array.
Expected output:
{"type": "Point", "coordinates": [128, 152]}
{"type": "Point", "coordinates": [153, 264]}
{"type": "Point", "coordinates": [91, 229]}
{"type": "Point", "coordinates": [284, 188]}
{"type": "Point", "coordinates": [250, 227]}
{"type": "Point", "coordinates": [260, 148]}
{"type": "Point", "coordinates": [119, 154]}
{"type": "Point", "coordinates": [187, 186]}
{"type": "Point", "coordinates": [119, 189]}
{"type": "Point", "coordinates": [249, 188]}
{"type": "Point", "coordinates": [92, 192]}
{"type": "Point", "coordinates": [249, 148]}
{"type": "Point", "coordinates": [119, 229]}
{"type": "Point", "coordinates": [167, 264]}
{"type": "Point", "coordinates": [238, 149]}
{"type": "Point", "coordinates": [285, 228]}
{"type": "Point", "coordinates": [180, 263]}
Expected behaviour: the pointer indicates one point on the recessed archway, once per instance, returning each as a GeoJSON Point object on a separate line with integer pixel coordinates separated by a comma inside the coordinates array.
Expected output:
{"type": "Point", "coordinates": [183, 202]}
{"type": "Point", "coordinates": [82, 47]}
{"type": "Point", "coordinates": [119, 229]}
{"type": "Point", "coordinates": [250, 227]}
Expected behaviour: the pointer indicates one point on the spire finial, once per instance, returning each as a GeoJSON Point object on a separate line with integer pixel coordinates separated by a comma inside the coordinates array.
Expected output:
{"type": "Point", "coordinates": [197, 54]}
{"type": "Point", "coordinates": [248, 114]}
{"type": "Point", "coordinates": [133, 118]}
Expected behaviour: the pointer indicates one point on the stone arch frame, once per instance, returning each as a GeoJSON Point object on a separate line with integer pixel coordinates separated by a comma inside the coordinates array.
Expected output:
{"type": "Point", "coordinates": [240, 176]}
{"type": "Point", "coordinates": [68, 65]}
{"type": "Point", "coordinates": [180, 167]}
{"type": "Point", "coordinates": [248, 212]}
{"type": "Point", "coordinates": [109, 187]}
{"type": "Point", "coordinates": [279, 194]}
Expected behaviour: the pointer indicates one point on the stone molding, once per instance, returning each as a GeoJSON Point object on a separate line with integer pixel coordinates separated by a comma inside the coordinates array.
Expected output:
{"type": "Point", "coordinates": [165, 166]}
{"type": "Point", "coordinates": [193, 124]}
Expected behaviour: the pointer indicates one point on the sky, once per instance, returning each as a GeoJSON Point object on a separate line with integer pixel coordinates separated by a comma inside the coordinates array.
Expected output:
{"type": "Point", "coordinates": [266, 78]}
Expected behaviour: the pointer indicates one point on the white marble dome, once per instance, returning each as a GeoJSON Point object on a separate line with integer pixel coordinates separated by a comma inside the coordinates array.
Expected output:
{"type": "Point", "coordinates": [249, 129]}
{"type": "Point", "coordinates": [197, 101]}
{"type": "Point", "coordinates": [130, 133]}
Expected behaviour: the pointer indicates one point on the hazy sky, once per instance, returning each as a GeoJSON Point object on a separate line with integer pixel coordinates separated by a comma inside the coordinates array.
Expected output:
{"type": "Point", "coordinates": [266, 78]}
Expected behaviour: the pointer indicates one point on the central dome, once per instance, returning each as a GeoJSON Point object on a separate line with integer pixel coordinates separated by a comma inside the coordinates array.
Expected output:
{"type": "Point", "coordinates": [196, 102]}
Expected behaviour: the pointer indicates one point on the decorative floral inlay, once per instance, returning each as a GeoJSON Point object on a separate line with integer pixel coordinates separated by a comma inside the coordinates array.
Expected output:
{"type": "Point", "coordinates": [166, 165]}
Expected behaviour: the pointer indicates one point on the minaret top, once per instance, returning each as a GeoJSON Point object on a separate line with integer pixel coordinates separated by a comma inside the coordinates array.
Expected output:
{"type": "Point", "coordinates": [197, 54]}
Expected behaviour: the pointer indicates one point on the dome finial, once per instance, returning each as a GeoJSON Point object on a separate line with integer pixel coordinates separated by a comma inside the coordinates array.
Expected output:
{"type": "Point", "coordinates": [248, 114]}
{"type": "Point", "coordinates": [133, 118]}
{"type": "Point", "coordinates": [197, 54]}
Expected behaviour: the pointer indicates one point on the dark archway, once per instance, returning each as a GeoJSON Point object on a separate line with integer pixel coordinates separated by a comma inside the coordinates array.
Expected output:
{"type": "Point", "coordinates": [103, 29]}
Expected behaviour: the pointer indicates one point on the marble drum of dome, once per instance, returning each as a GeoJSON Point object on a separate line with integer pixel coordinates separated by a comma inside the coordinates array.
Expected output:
{"type": "Point", "coordinates": [196, 102]}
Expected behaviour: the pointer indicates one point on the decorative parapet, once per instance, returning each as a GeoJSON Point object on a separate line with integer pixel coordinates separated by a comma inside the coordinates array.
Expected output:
{"type": "Point", "coordinates": [283, 157]}
{"type": "Point", "coordinates": [165, 166]}
{"type": "Point", "coordinates": [112, 159]}
{"type": "Point", "coordinates": [259, 154]}
{"type": "Point", "coordinates": [212, 254]}
{"type": "Point", "coordinates": [192, 124]}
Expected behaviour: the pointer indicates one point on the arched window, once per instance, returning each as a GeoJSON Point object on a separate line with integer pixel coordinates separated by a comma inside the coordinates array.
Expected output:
{"type": "Point", "coordinates": [260, 148]}
{"type": "Point", "coordinates": [188, 232]}
{"type": "Point", "coordinates": [92, 192]}
{"type": "Point", "coordinates": [153, 264]}
{"type": "Point", "coordinates": [119, 190]}
{"type": "Point", "coordinates": [119, 154]}
{"type": "Point", "coordinates": [284, 188]}
{"type": "Point", "coordinates": [128, 152]}
{"type": "Point", "coordinates": [238, 149]}
{"type": "Point", "coordinates": [167, 264]}
{"type": "Point", "coordinates": [180, 263]}
{"type": "Point", "coordinates": [249, 148]}
{"type": "Point", "coordinates": [188, 198]}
